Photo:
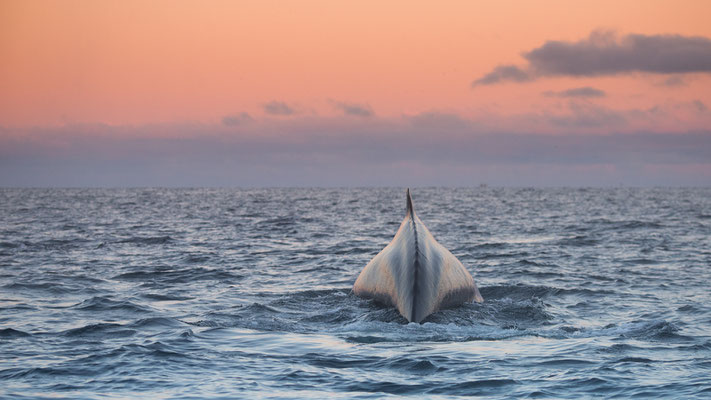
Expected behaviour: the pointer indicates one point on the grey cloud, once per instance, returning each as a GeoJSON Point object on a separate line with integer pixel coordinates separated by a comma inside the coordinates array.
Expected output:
{"type": "Point", "coordinates": [700, 106]}
{"type": "Point", "coordinates": [278, 108]}
{"type": "Point", "coordinates": [236, 119]}
{"type": "Point", "coordinates": [673, 81]}
{"type": "Point", "coordinates": [503, 73]}
{"type": "Point", "coordinates": [589, 116]}
{"type": "Point", "coordinates": [604, 53]}
{"type": "Point", "coordinates": [356, 110]}
{"type": "Point", "coordinates": [586, 91]}
{"type": "Point", "coordinates": [656, 109]}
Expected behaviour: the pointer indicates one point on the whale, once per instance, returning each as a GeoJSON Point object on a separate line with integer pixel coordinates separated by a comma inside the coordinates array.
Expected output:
{"type": "Point", "coordinates": [416, 274]}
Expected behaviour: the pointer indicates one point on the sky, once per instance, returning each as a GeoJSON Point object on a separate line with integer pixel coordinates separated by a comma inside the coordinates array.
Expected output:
{"type": "Point", "coordinates": [324, 93]}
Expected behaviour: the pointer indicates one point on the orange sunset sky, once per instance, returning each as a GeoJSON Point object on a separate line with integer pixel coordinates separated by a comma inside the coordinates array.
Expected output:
{"type": "Point", "coordinates": [82, 81]}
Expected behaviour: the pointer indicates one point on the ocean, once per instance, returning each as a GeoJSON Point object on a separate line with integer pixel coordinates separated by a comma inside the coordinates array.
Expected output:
{"type": "Point", "coordinates": [246, 293]}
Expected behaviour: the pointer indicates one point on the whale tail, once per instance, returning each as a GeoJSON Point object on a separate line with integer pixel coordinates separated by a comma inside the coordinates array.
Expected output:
{"type": "Point", "coordinates": [416, 274]}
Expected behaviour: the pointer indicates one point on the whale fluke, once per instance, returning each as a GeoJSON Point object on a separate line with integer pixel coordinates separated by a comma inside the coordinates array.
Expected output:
{"type": "Point", "coordinates": [416, 274]}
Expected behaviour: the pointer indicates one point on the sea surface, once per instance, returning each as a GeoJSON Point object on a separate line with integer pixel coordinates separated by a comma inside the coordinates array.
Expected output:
{"type": "Point", "coordinates": [229, 293]}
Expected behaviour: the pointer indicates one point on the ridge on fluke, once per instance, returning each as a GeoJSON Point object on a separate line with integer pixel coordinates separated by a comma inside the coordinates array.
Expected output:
{"type": "Point", "coordinates": [416, 274]}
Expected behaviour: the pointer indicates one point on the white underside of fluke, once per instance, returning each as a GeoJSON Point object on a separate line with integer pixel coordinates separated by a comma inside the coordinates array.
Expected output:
{"type": "Point", "coordinates": [416, 274]}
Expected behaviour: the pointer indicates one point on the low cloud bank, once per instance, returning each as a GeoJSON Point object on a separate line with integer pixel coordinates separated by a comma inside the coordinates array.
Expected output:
{"type": "Point", "coordinates": [417, 152]}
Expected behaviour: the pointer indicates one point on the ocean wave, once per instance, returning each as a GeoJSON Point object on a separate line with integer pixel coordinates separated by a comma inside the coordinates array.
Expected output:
{"type": "Point", "coordinates": [579, 241]}
{"type": "Point", "coordinates": [55, 244]}
{"type": "Point", "coordinates": [9, 245]}
{"type": "Point", "coordinates": [147, 240]}
{"type": "Point", "coordinates": [165, 297]}
{"type": "Point", "coordinates": [173, 276]}
{"type": "Point", "coordinates": [49, 287]}
{"type": "Point", "coordinates": [474, 387]}
{"type": "Point", "coordinates": [103, 303]}
{"type": "Point", "coordinates": [9, 333]}
{"type": "Point", "coordinates": [155, 323]}
{"type": "Point", "coordinates": [100, 330]}
{"type": "Point", "coordinates": [378, 331]}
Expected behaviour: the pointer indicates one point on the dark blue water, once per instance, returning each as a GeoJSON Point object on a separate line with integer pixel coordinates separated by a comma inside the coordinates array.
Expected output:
{"type": "Point", "coordinates": [201, 293]}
